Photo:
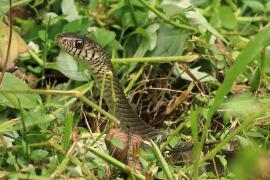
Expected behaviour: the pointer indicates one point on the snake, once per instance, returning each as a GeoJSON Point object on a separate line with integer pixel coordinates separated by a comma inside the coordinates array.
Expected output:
{"type": "Point", "coordinates": [101, 68]}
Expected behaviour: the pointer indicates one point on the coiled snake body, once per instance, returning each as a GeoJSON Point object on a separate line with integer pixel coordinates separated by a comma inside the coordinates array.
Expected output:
{"type": "Point", "coordinates": [101, 68]}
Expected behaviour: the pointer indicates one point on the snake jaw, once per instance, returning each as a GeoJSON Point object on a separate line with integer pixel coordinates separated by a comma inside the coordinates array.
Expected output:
{"type": "Point", "coordinates": [62, 41]}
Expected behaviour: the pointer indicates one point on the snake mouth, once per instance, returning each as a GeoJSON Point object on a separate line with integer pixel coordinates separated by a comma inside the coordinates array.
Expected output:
{"type": "Point", "coordinates": [59, 39]}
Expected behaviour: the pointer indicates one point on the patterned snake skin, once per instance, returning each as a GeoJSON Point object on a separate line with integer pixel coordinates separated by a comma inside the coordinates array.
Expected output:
{"type": "Point", "coordinates": [101, 68]}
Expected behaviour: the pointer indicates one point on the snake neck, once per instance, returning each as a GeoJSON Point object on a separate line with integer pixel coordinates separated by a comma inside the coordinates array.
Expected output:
{"type": "Point", "coordinates": [105, 78]}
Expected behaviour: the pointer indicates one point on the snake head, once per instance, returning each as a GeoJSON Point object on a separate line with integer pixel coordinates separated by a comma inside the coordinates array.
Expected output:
{"type": "Point", "coordinates": [79, 46]}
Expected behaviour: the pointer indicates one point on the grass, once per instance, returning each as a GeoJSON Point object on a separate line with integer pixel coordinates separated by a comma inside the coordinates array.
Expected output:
{"type": "Point", "coordinates": [190, 61]}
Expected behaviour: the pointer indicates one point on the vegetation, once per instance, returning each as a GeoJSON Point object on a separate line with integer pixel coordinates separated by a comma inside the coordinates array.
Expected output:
{"type": "Point", "coordinates": [198, 70]}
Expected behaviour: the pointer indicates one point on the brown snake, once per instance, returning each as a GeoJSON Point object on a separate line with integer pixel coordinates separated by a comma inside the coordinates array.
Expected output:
{"type": "Point", "coordinates": [101, 68]}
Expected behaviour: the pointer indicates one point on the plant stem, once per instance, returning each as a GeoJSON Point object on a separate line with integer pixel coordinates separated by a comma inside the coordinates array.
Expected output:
{"type": "Point", "coordinates": [37, 58]}
{"type": "Point", "coordinates": [33, 145]}
{"type": "Point", "coordinates": [115, 162]}
{"type": "Point", "coordinates": [187, 58]}
{"type": "Point", "coordinates": [64, 93]}
{"type": "Point", "coordinates": [251, 19]}
{"type": "Point", "coordinates": [21, 176]}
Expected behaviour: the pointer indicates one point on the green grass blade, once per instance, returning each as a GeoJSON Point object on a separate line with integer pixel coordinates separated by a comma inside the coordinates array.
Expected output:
{"type": "Point", "coordinates": [133, 80]}
{"type": "Point", "coordinates": [7, 126]}
{"type": "Point", "coordinates": [68, 130]}
{"type": "Point", "coordinates": [162, 161]}
{"type": "Point", "coordinates": [245, 57]}
{"type": "Point", "coordinates": [196, 151]}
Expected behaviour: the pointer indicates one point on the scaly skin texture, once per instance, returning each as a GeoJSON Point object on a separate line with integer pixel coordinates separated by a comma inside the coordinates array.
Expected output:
{"type": "Point", "coordinates": [101, 68]}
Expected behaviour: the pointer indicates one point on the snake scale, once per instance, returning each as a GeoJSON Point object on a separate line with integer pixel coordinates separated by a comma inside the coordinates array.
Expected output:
{"type": "Point", "coordinates": [101, 68]}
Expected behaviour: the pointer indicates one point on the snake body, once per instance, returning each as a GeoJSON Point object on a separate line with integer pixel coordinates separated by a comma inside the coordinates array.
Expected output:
{"type": "Point", "coordinates": [101, 68]}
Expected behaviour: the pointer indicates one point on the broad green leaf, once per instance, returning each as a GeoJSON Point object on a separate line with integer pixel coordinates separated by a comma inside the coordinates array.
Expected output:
{"type": "Point", "coordinates": [198, 20]}
{"type": "Point", "coordinates": [115, 45]}
{"type": "Point", "coordinates": [27, 101]}
{"type": "Point", "coordinates": [255, 134]}
{"type": "Point", "coordinates": [103, 37]}
{"type": "Point", "coordinates": [267, 6]}
{"type": "Point", "coordinates": [267, 63]}
{"type": "Point", "coordinates": [67, 65]}
{"type": "Point", "coordinates": [144, 44]}
{"type": "Point", "coordinates": [106, 39]}
{"type": "Point", "coordinates": [117, 143]}
{"type": "Point", "coordinates": [69, 9]}
{"type": "Point", "coordinates": [141, 17]}
{"type": "Point", "coordinates": [4, 7]}
{"type": "Point", "coordinates": [39, 154]}
{"type": "Point", "coordinates": [79, 25]}
{"type": "Point", "coordinates": [171, 10]}
{"type": "Point", "coordinates": [11, 160]}
{"type": "Point", "coordinates": [126, 19]}
{"type": "Point", "coordinates": [38, 2]}
{"type": "Point", "coordinates": [34, 117]}
{"type": "Point", "coordinates": [42, 35]}
{"type": "Point", "coordinates": [170, 41]}
{"type": "Point", "coordinates": [193, 15]}
{"type": "Point", "coordinates": [199, 75]}
{"type": "Point", "coordinates": [50, 18]}
{"type": "Point", "coordinates": [174, 7]}
{"type": "Point", "coordinates": [93, 5]}
{"type": "Point", "coordinates": [142, 49]}
{"type": "Point", "coordinates": [123, 14]}
{"type": "Point", "coordinates": [243, 104]}
{"type": "Point", "coordinates": [255, 5]}
{"type": "Point", "coordinates": [152, 30]}
{"type": "Point", "coordinates": [227, 17]}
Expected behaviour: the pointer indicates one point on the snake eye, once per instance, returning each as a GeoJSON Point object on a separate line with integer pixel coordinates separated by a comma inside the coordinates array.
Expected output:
{"type": "Point", "coordinates": [78, 44]}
